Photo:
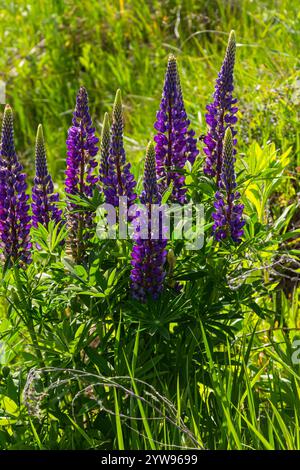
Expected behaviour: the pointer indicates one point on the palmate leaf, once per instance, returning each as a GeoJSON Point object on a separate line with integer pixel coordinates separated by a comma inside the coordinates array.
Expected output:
{"type": "Point", "coordinates": [84, 203]}
{"type": "Point", "coordinates": [97, 284]}
{"type": "Point", "coordinates": [156, 316]}
{"type": "Point", "coordinates": [51, 238]}
{"type": "Point", "coordinates": [166, 195]}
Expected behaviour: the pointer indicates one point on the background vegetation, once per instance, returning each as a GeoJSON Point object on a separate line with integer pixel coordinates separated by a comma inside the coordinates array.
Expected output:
{"type": "Point", "coordinates": [212, 367]}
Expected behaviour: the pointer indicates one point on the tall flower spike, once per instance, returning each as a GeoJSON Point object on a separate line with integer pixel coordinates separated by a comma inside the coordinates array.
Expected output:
{"type": "Point", "coordinates": [104, 150]}
{"type": "Point", "coordinates": [221, 114]}
{"type": "Point", "coordinates": [148, 255]}
{"type": "Point", "coordinates": [14, 208]}
{"type": "Point", "coordinates": [44, 199]}
{"type": "Point", "coordinates": [228, 213]}
{"type": "Point", "coordinates": [80, 177]}
{"type": "Point", "coordinates": [175, 142]}
{"type": "Point", "coordinates": [120, 181]}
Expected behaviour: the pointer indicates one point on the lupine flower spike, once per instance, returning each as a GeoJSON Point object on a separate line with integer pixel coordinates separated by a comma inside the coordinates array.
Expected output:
{"type": "Point", "coordinates": [104, 149]}
{"type": "Point", "coordinates": [80, 178]}
{"type": "Point", "coordinates": [228, 213]}
{"type": "Point", "coordinates": [14, 208]}
{"type": "Point", "coordinates": [148, 255]}
{"type": "Point", "coordinates": [175, 142]}
{"type": "Point", "coordinates": [120, 181]}
{"type": "Point", "coordinates": [44, 207]}
{"type": "Point", "coordinates": [221, 114]}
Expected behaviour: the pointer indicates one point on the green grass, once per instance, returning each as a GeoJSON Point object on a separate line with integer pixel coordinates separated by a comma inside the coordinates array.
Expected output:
{"type": "Point", "coordinates": [50, 48]}
{"type": "Point", "coordinates": [188, 372]}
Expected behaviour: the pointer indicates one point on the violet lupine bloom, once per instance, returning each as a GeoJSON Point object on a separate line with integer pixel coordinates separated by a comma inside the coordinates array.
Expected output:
{"type": "Point", "coordinates": [119, 181]}
{"type": "Point", "coordinates": [228, 213]}
{"type": "Point", "coordinates": [148, 255]}
{"type": "Point", "coordinates": [80, 177]}
{"type": "Point", "coordinates": [44, 199]}
{"type": "Point", "coordinates": [175, 142]}
{"type": "Point", "coordinates": [14, 208]}
{"type": "Point", "coordinates": [104, 149]}
{"type": "Point", "coordinates": [221, 114]}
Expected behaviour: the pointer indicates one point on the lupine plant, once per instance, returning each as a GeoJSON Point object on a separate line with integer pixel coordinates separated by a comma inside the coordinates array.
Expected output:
{"type": "Point", "coordinates": [119, 181]}
{"type": "Point", "coordinates": [175, 142]}
{"type": "Point", "coordinates": [14, 208]}
{"type": "Point", "coordinates": [148, 254]}
{"type": "Point", "coordinates": [104, 150]}
{"type": "Point", "coordinates": [228, 213]}
{"type": "Point", "coordinates": [221, 114]}
{"type": "Point", "coordinates": [44, 199]}
{"type": "Point", "coordinates": [80, 175]}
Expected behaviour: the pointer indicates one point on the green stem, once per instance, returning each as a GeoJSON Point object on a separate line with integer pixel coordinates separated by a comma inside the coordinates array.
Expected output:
{"type": "Point", "coordinates": [28, 321]}
{"type": "Point", "coordinates": [33, 336]}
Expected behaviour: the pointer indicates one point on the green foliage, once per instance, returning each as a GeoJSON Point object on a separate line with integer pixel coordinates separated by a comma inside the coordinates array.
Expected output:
{"type": "Point", "coordinates": [50, 48]}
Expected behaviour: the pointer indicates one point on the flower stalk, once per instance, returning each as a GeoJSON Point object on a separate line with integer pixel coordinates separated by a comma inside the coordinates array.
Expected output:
{"type": "Point", "coordinates": [175, 142]}
{"type": "Point", "coordinates": [221, 114]}
{"type": "Point", "coordinates": [228, 221]}
{"type": "Point", "coordinates": [119, 181]}
{"type": "Point", "coordinates": [148, 255]}
{"type": "Point", "coordinates": [104, 150]}
{"type": "Point", "coordinates": [44, 199]}
{"type": "Point", "coordinates": [80, 177]}
{"type": "Point", "coordinates": [14, 208]}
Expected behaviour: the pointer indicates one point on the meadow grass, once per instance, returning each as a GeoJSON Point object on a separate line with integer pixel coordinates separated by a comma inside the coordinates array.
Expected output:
{"type": "Point", "coordinates": [50, 48]}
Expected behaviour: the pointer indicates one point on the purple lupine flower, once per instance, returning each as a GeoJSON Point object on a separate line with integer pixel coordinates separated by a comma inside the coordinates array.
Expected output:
{"type": "Point", "coordinates": [80, 177]}
{"type": "Point", "coordinates": [228, 213]}
{"type": "Point", "coordinates": [14, 208]}
{"type": "Point", "coordinates": [175, 142]}
{"type": "Point", "coordinates": [221, 114]}
{"type": "Point", "coordinates": [148, 255]}
{"type": "Point", "coordinates": [104, 149]}
{"type": "Point", "coordinates": [119, 181]}
{"type": "Point", "coordinates": [44, 207]}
